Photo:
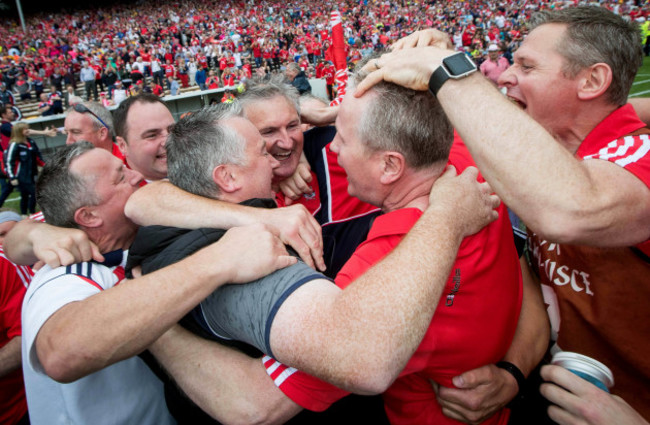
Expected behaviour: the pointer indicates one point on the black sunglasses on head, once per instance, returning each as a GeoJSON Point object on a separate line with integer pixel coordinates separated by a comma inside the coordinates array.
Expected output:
{"type": "Point", "coordinates": [83, 109]}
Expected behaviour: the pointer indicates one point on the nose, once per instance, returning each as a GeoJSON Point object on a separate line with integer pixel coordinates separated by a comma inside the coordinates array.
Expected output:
{"type": "Point", "coordinates": [507, 77]}
{"type": "Point", "coordinates": [69, 140]}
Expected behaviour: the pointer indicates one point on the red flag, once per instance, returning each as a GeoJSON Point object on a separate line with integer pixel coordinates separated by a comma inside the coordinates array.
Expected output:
{"type": "Point", "coordinates": [339, 57]}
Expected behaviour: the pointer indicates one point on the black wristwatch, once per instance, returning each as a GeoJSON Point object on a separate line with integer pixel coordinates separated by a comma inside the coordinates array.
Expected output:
{"type": "Point", "coordinates": [456, 66]}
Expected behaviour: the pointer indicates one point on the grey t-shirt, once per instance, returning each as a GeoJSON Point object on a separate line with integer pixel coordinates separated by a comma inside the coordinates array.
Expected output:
{"type": "Point", "coordinates": [246, 312]}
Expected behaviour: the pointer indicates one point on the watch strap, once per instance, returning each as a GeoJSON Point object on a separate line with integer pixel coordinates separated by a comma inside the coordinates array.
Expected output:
{"type": "Point", "coordinates": [519, 377]}
{"type": "Point", "coordinates": [437, 79]}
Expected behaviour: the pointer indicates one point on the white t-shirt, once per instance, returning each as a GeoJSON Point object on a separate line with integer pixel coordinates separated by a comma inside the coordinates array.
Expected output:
{"type": "Point", "coordinates": [126, 392]}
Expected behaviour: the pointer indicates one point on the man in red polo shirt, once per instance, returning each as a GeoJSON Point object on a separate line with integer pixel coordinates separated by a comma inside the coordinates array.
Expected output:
{"type": "Point", "coordinates": [13, 280]}
{"type": "Point", "coordinates": [94, 126]}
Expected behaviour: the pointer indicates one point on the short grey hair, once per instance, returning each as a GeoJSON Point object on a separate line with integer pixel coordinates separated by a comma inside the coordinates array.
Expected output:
{"type": "Point", "coordinates": [60, 192]}
{"type": "Point", "coordinates": [294, 67]}
{"type": "Point", "coordinates": [103, 113]}
{"type": "Point", "coordinates": [406, 121]}
{"type": "Point", "coordinates": [200, 142]}
{"type": "Point", "coordinates": [596, 35]}
{"type": "Point", "coordinates": [260, 90]}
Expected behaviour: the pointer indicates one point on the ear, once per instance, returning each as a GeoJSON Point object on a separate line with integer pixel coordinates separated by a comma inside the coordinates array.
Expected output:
{"type": "Point", "coordinates": [87, 217]}
{"type": "Point", "coordinates": [226, 178]}
{"type": "Point", "coordinates": [393, 165]}
{"type": "Point", "coordinates": [121, 143]}
{"type": "Point", "coordinates": [594, 81]}
{"type": "Point", "coordinates": [103, 131]}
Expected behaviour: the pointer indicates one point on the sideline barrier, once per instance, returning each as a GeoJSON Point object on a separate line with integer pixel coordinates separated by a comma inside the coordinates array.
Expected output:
{"type": "Point", "coordinates": [178, 105]}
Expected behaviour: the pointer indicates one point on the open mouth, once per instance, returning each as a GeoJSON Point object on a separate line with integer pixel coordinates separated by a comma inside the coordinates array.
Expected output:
{"type": "Point", "coordinates": [518, 102]}
{"type": "Point", "coordinates": [282, 156]}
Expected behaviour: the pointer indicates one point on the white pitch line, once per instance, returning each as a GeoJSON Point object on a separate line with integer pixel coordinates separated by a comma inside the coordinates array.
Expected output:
{"type": "Point", "coordinates": [640, 82]}
{"type": "Point", "coordinates": [640, 93]}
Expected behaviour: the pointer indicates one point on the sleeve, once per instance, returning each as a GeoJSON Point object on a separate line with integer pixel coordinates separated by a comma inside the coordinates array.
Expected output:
{"type": "Point", "coordinates": [37, 154]}
{"type": "Point", "coordinates": [11, 157]}
{"type": "Point", "coordinates": [305, 390]}
{"type": "Point", "coordinates": [246, 312]}
{"type": "Point", "coordinates": [5, 129]}
{"type": "Point", "coordinates": [11, 298]}
{"type": "Point", "coordinates": [43, 300]}
{"type": "Point", "coordinates": [366, 255]}
{"type": "Point", "coordinates": [631, 153]}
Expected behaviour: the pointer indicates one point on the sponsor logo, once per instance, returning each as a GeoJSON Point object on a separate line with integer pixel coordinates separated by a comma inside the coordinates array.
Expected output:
{"type": "Point", "coordinates": [456, 279]}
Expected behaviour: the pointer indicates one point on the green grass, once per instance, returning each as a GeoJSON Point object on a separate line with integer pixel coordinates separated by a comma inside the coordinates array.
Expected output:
{"type": "Point", "coordinates": [13, 201]}
{"type": "Point", "coordinates": [641, 86]}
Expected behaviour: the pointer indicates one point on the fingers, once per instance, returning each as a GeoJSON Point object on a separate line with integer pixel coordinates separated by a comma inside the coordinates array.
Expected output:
{"type": "Point", "coordinates": [366, 84]}
{"type": "Point", "coordinates": [449, 172]}
{"type": "Point", "coordinates": [285, 261]}
{"type": "Point", "coordinates": [470, 173]}
{"type": "Point", "coordinates": [474, 377]}
{"type": "Point", "coordinates": [313, 245]}
{"type": "Point", "coordinates": [96, 254]}
{"type": "Point", "coordinates": [305, 174]}
{"type": "Point", "coordinates": [566, 379]}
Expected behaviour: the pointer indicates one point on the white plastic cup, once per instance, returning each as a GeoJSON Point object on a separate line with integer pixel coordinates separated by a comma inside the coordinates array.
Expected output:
{"type": "Point", "coordinates": [585, 367]}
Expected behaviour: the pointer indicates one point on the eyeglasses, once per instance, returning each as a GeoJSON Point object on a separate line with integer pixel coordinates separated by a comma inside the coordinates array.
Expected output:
{"type": "Point", "coordinates": [83, 109]}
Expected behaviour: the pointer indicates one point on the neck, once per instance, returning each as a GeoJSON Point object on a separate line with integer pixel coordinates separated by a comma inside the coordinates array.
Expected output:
{"type": "Point", "coordinates": [412, 190]}
{"type": "Point", "coordinates": [106, 242]}
{"type": "Point", "coordinates": [584, 121]}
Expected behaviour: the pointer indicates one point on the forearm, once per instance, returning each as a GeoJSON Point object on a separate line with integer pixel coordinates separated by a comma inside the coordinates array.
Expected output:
{"type": "Point", "coordinates": [18, 244]}
{"type": "Point", "coordinates": [39, 133]}
{"type": "Point", "coordinates": [533, 329]}
{"type": "Point", "coordinates": [83, 337]}
{"type": "Point", "coordinates": [361, 338]}
{"type": "Point", "coordinates": [225, 383]}
{"type": "Point", "coordinates": [527, 168]}
{"type": "Point", "coordinates": [162, 203]}
{"type": "Point", "coordinates": [10, 356]}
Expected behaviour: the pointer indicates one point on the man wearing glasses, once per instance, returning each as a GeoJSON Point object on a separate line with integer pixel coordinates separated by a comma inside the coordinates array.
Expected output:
{"type": "Point", "coordinates": [92, 122]}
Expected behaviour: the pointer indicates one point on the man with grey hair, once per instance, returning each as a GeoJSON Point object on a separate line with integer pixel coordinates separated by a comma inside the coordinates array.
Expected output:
{"type": "Point", "coordinates": [345, 220]}
{"type": "Point", "coordinates": [584, 194]}
{"type": "Point", "coordinates": [230, 163]}
{"type": "Point", "coordinates": [298, 78]}
{"type": "Point", "coordinates": [81, 329]}
{"type": "Point", "coordinates": [92, 122]}
{"type": "Point", "coordinates": [297, 332]}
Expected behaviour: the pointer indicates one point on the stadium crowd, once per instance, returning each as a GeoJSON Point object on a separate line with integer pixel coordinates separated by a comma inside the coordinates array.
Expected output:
{"type": "Point", "coordinates": [172, 41]}
{"type": "Point", "coordinates": [418, 254]}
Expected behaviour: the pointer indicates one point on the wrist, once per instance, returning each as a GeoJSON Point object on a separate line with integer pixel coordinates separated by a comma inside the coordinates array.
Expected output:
{"type": "Point", "coordinates": [516, 378]}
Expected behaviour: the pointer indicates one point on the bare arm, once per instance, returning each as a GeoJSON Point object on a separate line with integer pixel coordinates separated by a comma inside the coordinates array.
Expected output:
{"type": "Point", "coordinates": [587, 202]}
{"type": "Point", "coordinates": [480, 392]}
{"type": "Point", "coordinates": [319, 116]}
{"type": "Point", "coordinates": [85, 336]}
{"type": "Point", "coordinates": [344, 337]}
{"type": "Point", "coordinates": [10, 357]}
{"type": "Point", "coordinates": [30, 241]}
{"type": "Point", "coordinates": [227, 384]}
{"type": "Point", "coordinates": [165, 204]}
{"type": "Point", "coordinates": [49, 131]}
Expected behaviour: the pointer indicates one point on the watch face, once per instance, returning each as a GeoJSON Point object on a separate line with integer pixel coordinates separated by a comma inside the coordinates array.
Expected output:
{"type": "Point", "coordinates": [459, 64]}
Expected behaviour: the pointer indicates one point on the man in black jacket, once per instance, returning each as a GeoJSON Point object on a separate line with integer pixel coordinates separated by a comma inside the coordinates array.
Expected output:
{"type": "Point", "coordinates": [298, 78]}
